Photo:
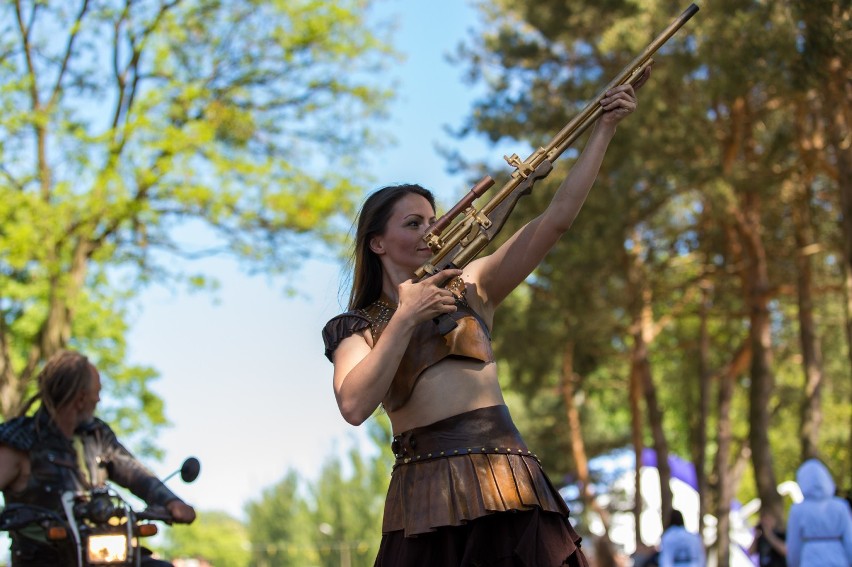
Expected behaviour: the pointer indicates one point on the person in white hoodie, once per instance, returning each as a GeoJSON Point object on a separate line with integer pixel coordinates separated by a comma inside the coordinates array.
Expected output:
{"type": "Point", "coordinates": [819, 529]}
{"type": "Point", "coordinates": [679, 547]}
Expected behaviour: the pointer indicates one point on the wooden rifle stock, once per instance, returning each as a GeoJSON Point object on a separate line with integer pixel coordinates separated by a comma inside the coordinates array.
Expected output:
{"type": "Point", "coordinates": [472, 233]}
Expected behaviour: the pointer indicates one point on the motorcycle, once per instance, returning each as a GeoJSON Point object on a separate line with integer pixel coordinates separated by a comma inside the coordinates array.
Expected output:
{"type": "Point", "coordinates": [100, 525]}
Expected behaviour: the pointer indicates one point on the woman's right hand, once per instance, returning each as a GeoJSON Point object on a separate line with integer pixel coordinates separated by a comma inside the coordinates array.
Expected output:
{"type": "Point", "coordinates": [425, 299]}
{"type": "Point", "coordinates": [363, 371]}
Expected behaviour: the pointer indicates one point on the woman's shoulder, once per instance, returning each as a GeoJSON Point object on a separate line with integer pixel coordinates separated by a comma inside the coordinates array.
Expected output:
{"type": "Point", "coordinates": [342, 326]}
{"type": "Point", "coordinates": [374, 317]}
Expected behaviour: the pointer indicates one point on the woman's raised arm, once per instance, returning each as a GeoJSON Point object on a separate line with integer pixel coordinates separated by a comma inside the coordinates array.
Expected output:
{"type": "Point", "coordinates": [501, 272]}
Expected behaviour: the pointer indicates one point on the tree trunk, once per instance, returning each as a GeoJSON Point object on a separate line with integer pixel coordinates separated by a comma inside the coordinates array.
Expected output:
{"type": "Point", "coordinates": [748, 250]}
{"type": "Point", "coordinates": [838, 116]}
{"type": "Point", "coordinates": [756, 285]}
{"type": "Point", "coordinates": [724, 489]}
{"type": "Point", "coordinates": [9, 380]}
{"type": "Point", "coordinates": [642, 331]}
{"type": "Point", "coordinates": [55, 331]}
{"type": "Point", "coordinates": [661, 446]}
{"type": "Point", "coordinates": [578, 447]}
{"type": "Point", "coordinates": [724, 442]}
{"type": "Point", "coordinates": [638, 447]}
{"type": "Point", "coordinates": [811, 348]}
{"type": "Point", "coordinates": [825, 39]}
{"type": "Point", "coordinates": [699, 435]}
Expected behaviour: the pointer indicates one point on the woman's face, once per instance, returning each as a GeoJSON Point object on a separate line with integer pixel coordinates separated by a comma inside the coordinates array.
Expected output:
{"type": "Point", "coordinates": [402, 241]}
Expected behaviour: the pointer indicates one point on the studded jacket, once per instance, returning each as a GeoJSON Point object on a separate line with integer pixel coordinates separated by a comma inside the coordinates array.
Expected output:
{"type": "Point", "coordinates": [56, 466]}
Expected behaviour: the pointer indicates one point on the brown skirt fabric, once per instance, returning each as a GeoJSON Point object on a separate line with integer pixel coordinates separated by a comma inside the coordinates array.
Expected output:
{"type": "Point", "coordinates": [508, 539]}
{"type": "Point", "coordinates": [466, 490]}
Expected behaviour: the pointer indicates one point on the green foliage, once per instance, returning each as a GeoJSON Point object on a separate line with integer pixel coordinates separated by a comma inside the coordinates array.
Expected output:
{"type": "Point", "coordinates": [348, 512]}
{"type": "Point", "coordinates": [216, 537]}
{"type": "Point", "coordinates": [335, 519]}
{"type": "Point", "coordinates": [131, 131]}
{"type": "Point", "coordinates": [716, 143]}
{"type": "Point", "coordinates": [348, 506]}
{"type": "Point", "coordinates": [332, 520]}
{"type": "Point", "coordinates": [280, 526]}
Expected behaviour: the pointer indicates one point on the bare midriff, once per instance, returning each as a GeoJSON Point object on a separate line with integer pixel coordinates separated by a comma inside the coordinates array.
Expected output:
{"type": "Point", "coordinates": [450, 387]}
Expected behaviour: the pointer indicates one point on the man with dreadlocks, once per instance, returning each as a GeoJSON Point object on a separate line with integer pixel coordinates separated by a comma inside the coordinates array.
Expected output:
{"type": "Point", "coordinates": [63, 447]}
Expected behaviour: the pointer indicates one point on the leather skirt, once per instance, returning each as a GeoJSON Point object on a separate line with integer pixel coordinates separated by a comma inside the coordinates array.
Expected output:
{"type": "Point", "coordinates": [461, 468]}
{"type": "Point", "coordinates": [462, 471]}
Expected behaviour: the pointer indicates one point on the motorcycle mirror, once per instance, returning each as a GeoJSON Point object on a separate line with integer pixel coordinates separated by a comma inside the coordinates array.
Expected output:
{"type": "Point", "coordinates": [190, 469]}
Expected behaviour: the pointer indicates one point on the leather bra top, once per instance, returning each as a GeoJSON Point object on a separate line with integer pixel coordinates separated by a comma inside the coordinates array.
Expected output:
{"type": "Point", "coordinates": [470, 339]}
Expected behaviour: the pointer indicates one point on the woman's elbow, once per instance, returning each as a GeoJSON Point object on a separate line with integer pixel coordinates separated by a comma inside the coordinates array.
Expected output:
{"type": "Point", "coordinates": [352, 418]}
{"type": "Point", "coordinates": [353, 413]}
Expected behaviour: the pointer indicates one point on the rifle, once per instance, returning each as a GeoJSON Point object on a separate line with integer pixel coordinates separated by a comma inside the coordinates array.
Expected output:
{"type": "Point", "coordinates": [472, 233]}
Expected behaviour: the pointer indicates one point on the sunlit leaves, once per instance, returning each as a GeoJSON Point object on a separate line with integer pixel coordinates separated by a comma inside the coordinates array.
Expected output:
{"type": "Point", "coordinates": [127, 125]}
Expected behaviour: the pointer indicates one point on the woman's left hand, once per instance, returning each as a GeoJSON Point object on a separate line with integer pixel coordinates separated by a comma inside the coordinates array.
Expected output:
{"type": "Point", "coordinates": [621, 100]}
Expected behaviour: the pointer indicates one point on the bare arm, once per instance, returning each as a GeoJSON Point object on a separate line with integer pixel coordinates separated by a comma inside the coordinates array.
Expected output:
{"type": "Point", "coordinates": [753, 547]}
{"type": "Point", "coordinates": [777, 543]}
{"type": "Point", "coordinates": [363, 371]}
{"type": "Point", "coordinates": [502, 271]}
{"type": "Point", "coordinates": [766, 528]}
{"type": "Point", "coordinates": [12, 467]}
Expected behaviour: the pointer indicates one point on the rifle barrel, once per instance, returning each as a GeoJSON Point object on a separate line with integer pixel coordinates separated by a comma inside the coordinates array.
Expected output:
{"type": "Point", "coordinates": [462, 244]}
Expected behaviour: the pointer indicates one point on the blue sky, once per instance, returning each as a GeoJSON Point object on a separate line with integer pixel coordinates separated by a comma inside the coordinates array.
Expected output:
{"type": "Point", "coordinates": [243, 375]}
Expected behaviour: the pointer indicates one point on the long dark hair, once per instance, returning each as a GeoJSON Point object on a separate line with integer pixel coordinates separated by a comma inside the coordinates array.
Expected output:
{"type": "Point", "coordinates": [372, 220]}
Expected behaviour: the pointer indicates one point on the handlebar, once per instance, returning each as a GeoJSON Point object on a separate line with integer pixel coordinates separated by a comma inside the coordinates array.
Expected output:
{"type": "Point", "coordinates": [16, 516]}
{"type": "Point", "coordinates": [156, 513]}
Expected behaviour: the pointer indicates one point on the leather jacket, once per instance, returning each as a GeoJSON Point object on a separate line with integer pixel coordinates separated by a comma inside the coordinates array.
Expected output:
{"type": "Point", "coordinates": [59, 464]}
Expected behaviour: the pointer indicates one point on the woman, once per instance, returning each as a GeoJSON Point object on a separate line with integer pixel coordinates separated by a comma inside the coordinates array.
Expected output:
{"type": "Point", "coordinates": [465, 489]}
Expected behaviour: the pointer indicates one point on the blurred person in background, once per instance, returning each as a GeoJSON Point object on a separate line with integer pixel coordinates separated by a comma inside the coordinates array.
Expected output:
{"type": "Point", "coordinates": [680, 547]}
{"type": "Point", "coordinates": [769, 544]}
{"type": "Point", "coordinates": [819, 530]}
{"type": "Point", "coordinates": [64, 447]}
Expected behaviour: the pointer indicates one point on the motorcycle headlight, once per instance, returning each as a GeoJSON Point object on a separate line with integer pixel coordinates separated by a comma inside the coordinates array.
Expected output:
{"type": "Point", "coordinates": [106, 549]}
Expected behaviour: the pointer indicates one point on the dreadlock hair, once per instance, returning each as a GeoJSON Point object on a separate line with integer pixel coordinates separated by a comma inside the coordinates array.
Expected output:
{"type": "Point", "coordinates": [64, 377]}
